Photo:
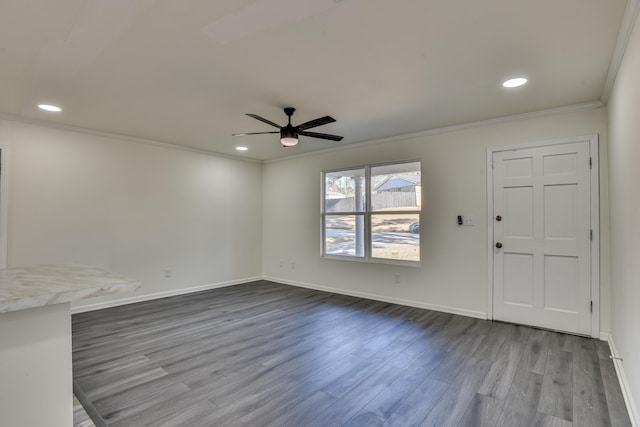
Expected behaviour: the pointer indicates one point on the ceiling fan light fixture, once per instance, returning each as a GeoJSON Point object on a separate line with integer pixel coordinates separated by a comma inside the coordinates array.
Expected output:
{"type": "Point", "coordinates": [288, 138]}
{"type": "Point", "coordinates": [289, 141]}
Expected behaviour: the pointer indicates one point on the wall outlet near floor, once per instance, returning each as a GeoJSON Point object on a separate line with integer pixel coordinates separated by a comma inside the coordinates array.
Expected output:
{"type": "Point", "coordinates": [167, 272]}
{"type": "Point", "coordinates": [397, 277]}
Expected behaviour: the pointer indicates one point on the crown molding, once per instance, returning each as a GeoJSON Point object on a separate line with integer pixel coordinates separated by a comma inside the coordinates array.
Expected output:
{"type": "Point", "coordinates": [551, 111]}
{"type": "Point", "coordinates": [122, 137]}
{"type": "Point", "coordinates": [628, 22]}
{"type": "Point", "coordinates": [446, 129]}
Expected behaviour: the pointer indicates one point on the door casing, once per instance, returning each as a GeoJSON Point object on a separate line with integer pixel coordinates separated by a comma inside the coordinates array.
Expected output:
{"type": "Point", "coordinates": [595, 219]}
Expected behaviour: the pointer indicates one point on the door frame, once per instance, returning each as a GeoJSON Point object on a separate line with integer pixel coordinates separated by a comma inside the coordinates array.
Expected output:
{"type": "Point", "coordinates": [595, 218]}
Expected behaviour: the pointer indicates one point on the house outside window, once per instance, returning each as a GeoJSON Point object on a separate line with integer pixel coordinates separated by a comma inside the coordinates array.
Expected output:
{"type": "Point", "coordinates": [372, 213]}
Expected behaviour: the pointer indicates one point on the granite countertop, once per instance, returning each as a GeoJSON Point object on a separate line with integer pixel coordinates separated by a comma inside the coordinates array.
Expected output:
{"type": "Point", "coordinates": [29, 287]}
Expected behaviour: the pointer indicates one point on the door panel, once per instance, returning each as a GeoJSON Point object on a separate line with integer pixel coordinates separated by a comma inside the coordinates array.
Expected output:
{"type": "Point", "coordinates": [559, 164]}
{"type": "Point", "coordinates": [518, 167]}
{"type": "Point", "coordinates": [561, 283]}
{"type": "Point", "coordinates": [542, 271]}
{"type": "Point", "coordinates": [518, 279]}
{"type": "Point", "coordinates": [561, 212]}
{"type": "Point", "coordinates": [518, 212]}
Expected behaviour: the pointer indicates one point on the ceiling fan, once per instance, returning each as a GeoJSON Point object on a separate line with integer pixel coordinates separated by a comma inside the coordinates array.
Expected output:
{"type": "Point", "coordinates": [289, 134]}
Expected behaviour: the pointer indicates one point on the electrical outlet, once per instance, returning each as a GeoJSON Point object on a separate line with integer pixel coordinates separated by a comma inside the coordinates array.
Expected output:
{"type": "Point", "coordinates": [397, 277]}
{"type": "Point", "coordinates": [167, 272]}
{"type": "Point", "coordinates": [468, 220]}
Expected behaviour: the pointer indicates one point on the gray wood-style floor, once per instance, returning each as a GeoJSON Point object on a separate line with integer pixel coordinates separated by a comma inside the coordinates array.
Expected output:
{"type": "Point", "coordinates": [266, 354]}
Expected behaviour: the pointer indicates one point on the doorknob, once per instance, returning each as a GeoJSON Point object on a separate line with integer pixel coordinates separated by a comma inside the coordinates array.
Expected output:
{"type": "Point", "coordinates": [498, 245]}
{"type": "Point", "coordinates": [498, 218]}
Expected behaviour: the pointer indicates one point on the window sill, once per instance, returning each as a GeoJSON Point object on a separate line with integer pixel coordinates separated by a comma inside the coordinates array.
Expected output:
{"type": "Point", "coordinates": [399, 262]}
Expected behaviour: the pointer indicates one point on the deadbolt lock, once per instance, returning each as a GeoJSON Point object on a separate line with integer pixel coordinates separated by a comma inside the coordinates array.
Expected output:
{"type": "Point", "coordinates": [498, 218]}
{"type": "Point", "coordinates": [498, 245]}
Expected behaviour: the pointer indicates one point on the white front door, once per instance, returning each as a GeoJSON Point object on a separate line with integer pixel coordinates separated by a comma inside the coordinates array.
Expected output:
{"type": "Point", "coordinates": [542, 237]}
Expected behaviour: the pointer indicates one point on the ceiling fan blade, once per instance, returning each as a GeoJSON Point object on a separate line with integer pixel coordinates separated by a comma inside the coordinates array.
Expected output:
{"type": "Point", "coordinates": [317, 122]}
{"type": "Point", "coordinates": [252, 133]}
{"type": "Point", "coordinates": [321, 135]}
{"type": "Point", "coordinates": [262, 119]}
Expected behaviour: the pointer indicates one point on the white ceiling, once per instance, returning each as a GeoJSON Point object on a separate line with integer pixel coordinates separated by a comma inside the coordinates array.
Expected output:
{"type": "Point", "coordinates": [185, 72]}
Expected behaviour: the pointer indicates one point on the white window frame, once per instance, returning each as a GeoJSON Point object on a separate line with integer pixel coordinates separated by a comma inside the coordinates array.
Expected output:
{"type": "Point", "coordinates": [367, 214]}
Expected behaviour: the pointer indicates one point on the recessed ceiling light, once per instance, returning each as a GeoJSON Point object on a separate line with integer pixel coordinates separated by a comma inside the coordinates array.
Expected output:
{"type": "Point", "coordinates": [515, 82]}
{"type": "Point", "coordinates": [50, 108]}
{"type": "Point", "coordinates": [241, 148]}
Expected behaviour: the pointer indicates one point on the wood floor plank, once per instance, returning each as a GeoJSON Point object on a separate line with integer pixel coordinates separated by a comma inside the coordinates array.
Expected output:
{"type": "Point", "coordinates": [103, 385]}
{"type": "Point", "coordinates": [123, 407]}
{"type": "Point", "coordinates": [483, 411]}
{"type": "Point", "coordinates": [618, 414]}
{"type": "Point", "coordinates": [602, 347]}
{"type": "Point", "coordinates": [228, 414]}
{"type": "Point", "coordinates": [455, 401]}
{"type": "Point", "coordinates": [491, 346]}
{"type": "Point", "coordinates": [300, 414]}
{"type": "Point", "coordinates": [390, 397]}
{"type": "Point", "coordinates": [197, 414]}
{"type": "Point", "coordinates": [503, 369]}
{"type": "Point", "coordinates": [344, 383]}
{"type": "Point", "coordinates": [364, 419]}
{"type": "Point", "coordinates": [455, 362]}
{"type": "Point", "coordinates": [535, 356]}
{"type": "Point", "coordinates": [561, 342]}
{"type": "Point", "coordinates": [520, 406]}
{"type": "Point", "coordinates": [420, 349]}
{"type": "Point", "coordinates": [557, 386]}
{"type": "Point", "coordinates": [589, 399]}
{"type": "Point", "coordinates": [415, 408]}
{"type": "Point", "coordinates": [264, 353]}
{"type": "Point", "coordinates": [278, 404]}
{"type": "Point", "coordinates": [353, 402]}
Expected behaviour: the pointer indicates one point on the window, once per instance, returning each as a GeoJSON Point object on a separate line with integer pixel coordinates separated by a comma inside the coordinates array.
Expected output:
{"type": "Point", "coordinates": [372, 213]}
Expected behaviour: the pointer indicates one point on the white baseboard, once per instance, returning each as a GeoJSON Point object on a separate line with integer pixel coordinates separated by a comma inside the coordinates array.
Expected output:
{"type": "Point", "coordinates": [383, 298]}
{"type": "Point", "coordinates": [184, 291]}
{"type": "Point", "coordinates": [158, 295]}
{"type": "Point", "coordinates": [604, 336]}
{"type": "Point", "coordinates": [624, 384]}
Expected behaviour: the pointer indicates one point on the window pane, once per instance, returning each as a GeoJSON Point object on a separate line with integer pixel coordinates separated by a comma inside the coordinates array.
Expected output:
{"type": "Point", "coordinates": [396, 187]}
{"type": "Point", "coordinates": [344, 235]}
{"type": "Point", "coordinates": [344, 191]}
{"type": "Point", "coordinates": [396, 236]}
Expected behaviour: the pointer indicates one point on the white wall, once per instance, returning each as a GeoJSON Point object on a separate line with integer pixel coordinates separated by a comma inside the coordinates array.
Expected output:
{"type": "Point", "coordinates": [132, 208]}
{"type": "Point", "coordinates": [624, 157]}
{"type": "Point", "coordinates": [138, 209]}
{"type": "Point", "coordinates": [453, 275]}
